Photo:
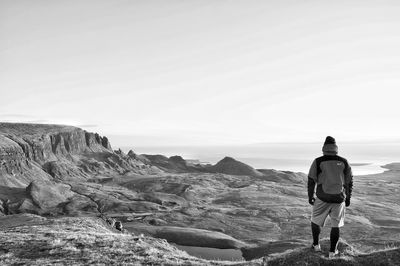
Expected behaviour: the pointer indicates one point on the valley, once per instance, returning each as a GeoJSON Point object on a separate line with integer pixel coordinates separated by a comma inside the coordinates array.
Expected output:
{"type": "Point", "coordinates": [62, 172]}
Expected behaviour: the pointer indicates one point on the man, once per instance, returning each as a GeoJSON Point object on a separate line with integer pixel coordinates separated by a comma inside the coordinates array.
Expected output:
{"type": "Point", "coordinates": [334, 180]}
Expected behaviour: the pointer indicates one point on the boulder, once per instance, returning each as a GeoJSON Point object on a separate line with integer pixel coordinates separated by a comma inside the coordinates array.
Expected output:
{"type": "Point", "coordinates": [47, 194]}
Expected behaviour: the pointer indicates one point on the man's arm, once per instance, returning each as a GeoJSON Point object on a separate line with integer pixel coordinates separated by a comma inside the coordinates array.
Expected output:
{"type": "Point", "coordinates": [312, 178]}
{"type": "Point", "coordinates": [311, 187]}
{"type": "Point", "coordinates": [348, 183]}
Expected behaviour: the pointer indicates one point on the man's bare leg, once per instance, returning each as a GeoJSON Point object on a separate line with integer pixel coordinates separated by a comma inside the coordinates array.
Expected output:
{"type": "Point", "coordinates": [335, 232]}
{"type": "Point", "coordinates": [316, 230]}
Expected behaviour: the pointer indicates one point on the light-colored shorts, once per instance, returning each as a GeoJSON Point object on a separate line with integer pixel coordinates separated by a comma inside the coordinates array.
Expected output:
{"type": "Point", "coordinates": [321, 210]}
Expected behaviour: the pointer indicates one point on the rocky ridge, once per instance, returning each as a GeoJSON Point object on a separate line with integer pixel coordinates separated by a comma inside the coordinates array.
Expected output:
{"type": "Point", "coordinates": [31, 152]}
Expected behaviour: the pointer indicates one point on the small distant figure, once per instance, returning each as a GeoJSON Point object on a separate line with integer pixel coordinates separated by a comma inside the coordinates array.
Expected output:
{"type": "Point", "coordinates": [264, 262]}
{"type": "Point", "coordinates": [111, 221]}
{"type": "Point", "coordinates": [118, 226]}
{"type": "Point", "coordinates": [334, 180]}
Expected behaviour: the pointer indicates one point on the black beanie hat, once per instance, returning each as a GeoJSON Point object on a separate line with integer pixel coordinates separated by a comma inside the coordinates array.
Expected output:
{"type": "Point", "coordinates": [329, 140]}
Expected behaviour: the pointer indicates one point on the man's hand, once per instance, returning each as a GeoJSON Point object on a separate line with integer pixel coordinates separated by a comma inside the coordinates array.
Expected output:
{"type": "Point", "coordinates": [347, 202]}
{"type": "Point", "coordinates": [311, 200]}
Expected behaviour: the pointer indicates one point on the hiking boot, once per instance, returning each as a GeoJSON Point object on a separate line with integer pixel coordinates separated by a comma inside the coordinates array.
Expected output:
{"type": "Point", "coordinates": [316, 248]}
{"type": "Point", "coordinates": [333, 254]}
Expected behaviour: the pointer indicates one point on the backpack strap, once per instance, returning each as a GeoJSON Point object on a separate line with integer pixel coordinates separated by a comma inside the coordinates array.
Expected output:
{"type": "Point", "coordinates": [318, 161]}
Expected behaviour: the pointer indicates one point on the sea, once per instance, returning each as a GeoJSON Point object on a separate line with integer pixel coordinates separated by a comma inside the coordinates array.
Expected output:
{"type": "Point", "coordinates": [364, 158]}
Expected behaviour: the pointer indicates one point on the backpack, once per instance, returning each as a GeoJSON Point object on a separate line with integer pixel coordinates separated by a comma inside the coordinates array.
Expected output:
{"type": "Point", "coordinates": [321, 194]}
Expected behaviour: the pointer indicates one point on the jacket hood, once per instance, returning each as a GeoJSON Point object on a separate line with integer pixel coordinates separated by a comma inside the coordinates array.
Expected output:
{"type": "Point", "coordinates": [330, 149]}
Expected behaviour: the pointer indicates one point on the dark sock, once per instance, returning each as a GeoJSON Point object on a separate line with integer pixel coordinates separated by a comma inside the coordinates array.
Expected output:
{"type": "Point", "coordinates": [315, 233]}
{"type": "Point", "coordinates": [334, 238]}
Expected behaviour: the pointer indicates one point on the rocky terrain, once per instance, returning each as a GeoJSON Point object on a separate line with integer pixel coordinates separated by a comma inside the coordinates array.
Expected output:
{"type": "Point", "coordinates": [54, 176]}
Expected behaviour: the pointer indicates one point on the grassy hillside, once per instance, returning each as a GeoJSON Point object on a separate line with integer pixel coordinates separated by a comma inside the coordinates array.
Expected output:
{"type": "Point", "coordinates": [35, 240]}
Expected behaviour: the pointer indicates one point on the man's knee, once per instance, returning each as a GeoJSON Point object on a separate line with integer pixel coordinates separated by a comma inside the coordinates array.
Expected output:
{"type": "Point", "coordinates": [314, 224]}
{"type": "Point", "coordinates": [315, 228]}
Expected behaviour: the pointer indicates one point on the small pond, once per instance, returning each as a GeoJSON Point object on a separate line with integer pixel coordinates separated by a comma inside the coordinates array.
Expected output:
{"type": "Point", "coordinates": [212, 253]}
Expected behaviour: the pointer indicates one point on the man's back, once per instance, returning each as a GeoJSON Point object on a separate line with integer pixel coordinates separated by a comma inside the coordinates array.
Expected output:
{"type": "Point", "coordinates": [332, 174]}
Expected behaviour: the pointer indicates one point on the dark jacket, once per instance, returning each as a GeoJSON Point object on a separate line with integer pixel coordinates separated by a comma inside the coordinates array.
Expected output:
{"type": "Point", "coordinates": [333, 176]}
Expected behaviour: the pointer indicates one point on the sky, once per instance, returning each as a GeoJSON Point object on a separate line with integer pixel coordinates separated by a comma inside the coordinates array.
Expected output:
{"type": "Point", "coordinates": [207, 72]}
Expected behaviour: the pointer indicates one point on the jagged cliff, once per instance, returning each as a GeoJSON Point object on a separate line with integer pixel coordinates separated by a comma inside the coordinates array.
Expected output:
{"type": "Point", "coordinates": [43, 143]}
{"type": "Point", "coordinates": [35, 151]}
